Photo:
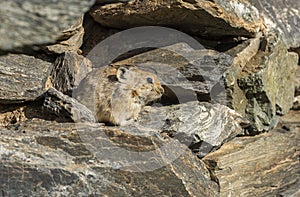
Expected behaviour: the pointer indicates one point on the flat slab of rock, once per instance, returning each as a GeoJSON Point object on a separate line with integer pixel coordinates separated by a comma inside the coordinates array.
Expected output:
{"type": "Point", "coordinates": [201, 126]}
{"type": "Point", "coordinates": [32, 22]}
{"type": "Point", "coordinates": [262, 165]}
{"type": "Point", "coordinates": [22, 78]}
{"type": "Point", "coordinates": [205, 18]}
{"type": "Point", "coordinates": [40, 158]}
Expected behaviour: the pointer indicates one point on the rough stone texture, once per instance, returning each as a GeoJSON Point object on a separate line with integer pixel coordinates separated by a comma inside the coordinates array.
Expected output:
{"type": "Point", "coordinates": [201, 126]}
{"type": "Point", "coordinates": [67, 164]}
{"type": "Point", "coordinates": [297, 83]}
{"type": "Point", "coordinates": [205, 18]}
{"type": "Point", "coordinates": [68, 70]}
{"type": "Point", "coordinates": [65, 107]}
{"type": "Point", "coordinates": [70, 40]}
{"type": "Point", "coordinates": [188, 74]}
{"type": "Point", "coordinates": [283, 17]}
{"type": "Point", "coordinates": [268, 81]}
{"type": "Point", "coordinates": [255, 78]}
{"type": "Point", "coordinates": [22, 78]}
{"type": "Point", "coordinates": [242, 54]}
{"type": "Point", "coordinates": [32, 22]}
{"type": "Point", "coordinates": [94, 33]}
{"type": "Point", "coordinates": [262, 165]}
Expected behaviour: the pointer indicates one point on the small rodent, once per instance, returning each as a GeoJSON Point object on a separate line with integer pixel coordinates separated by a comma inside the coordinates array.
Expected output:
{"type": "Point", "coordinates": [117, 93]}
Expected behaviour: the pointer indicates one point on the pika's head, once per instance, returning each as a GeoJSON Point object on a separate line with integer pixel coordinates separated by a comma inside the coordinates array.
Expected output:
{"type": "Point", "coordinates": [144, 86]}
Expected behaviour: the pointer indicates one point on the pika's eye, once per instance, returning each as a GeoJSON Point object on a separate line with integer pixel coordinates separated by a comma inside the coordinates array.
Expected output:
{"type": "Point", "coordinates": [149, 80]}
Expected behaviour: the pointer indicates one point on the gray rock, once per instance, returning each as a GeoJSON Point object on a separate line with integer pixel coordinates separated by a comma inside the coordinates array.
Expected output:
{"type": "Point", "coordinates": [297, 83]}
{"type": "Point", "coordinates": [195, 124]}
{"type": "Point", "coordinates": [281, 17]}
{"type": "Point", "coordinates": [32, 22]}
{"type": "Point", "coordinates": [65, 107]}
{"type": "Point", "coordinates": [268, 82]}
{"type": "Point", "coordinates": [248, 78]}
{"type": "Point", "coordinates": [187, 74]}
{"type": "Point", "coordinates": [215, 19]}
{"type": "Point", "coordinates": [261, 165]}
{"type": "Point", "coordinates": [41, 158]}
{"type": "Point", "coordinates": [70, 41]}
{"type": "Point", "coordinates": [22, 78]}
{"type": "Point", "coordinates": [68, 70]}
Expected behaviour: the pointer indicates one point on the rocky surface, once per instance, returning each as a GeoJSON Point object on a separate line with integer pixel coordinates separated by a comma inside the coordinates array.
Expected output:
{"type": "Point", "coordinates": [68, 70]}
{"type": "Point", "coordinates": [204, 18]}
{"type": "Point", "coordinates": [65, 108]}
{"type": "Point", "coordinates": [22, 78]}
{"type": "Point", "coordinates": [281, 17]}
{"type": "Point", "coordinates": [225, 82]}
{"type": "Point", "coordinates": [70, 40]}
{"type": "Point", "coordinates": [201, 126]}
{"type": "Point", "coordinates": [268, 81]}
{"type": "Point", "coordinates": [249, 78]}
{"type": "Point", "coordinates": [66, 156]}
{"type": "Point", "coordinates": [188, 74]}
{"type": "Point", "coordinates": [32, 22]}
{"type": "Point", "coordinates": [268, 162]}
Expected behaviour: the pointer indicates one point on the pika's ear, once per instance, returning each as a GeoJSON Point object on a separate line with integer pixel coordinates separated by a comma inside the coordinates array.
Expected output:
{"type": "Point", "coordinates": [121, 74]}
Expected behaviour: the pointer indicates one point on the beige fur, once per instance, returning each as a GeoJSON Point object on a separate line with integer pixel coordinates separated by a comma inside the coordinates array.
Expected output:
{"type": "Point", "coordinates": [116, 94]}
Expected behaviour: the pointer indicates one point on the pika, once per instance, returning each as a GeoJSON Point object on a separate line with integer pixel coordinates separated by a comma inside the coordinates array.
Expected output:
{"type": "Point", "coordinates": [117, 93]}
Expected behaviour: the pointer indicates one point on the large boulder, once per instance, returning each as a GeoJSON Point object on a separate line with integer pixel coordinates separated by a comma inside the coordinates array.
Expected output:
{"type": "Point", "coordinates": [32, 22]}
{"type": "Point", "coordinates": [216, 19]}
{"type": "Point", "coordinates": [261, 165]}
{"type": "Point", "coordinates": [40, 158]}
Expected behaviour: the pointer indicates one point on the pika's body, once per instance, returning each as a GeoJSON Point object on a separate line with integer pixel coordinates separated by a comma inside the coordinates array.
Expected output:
{"type": "Point", "coordinates": [116, 94]}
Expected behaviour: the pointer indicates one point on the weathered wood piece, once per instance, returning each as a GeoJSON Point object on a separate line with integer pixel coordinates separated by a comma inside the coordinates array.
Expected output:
{"type": "Point", "coordinates": [22, 78]}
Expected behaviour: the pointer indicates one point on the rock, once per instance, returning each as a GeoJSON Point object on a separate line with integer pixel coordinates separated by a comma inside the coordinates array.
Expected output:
{"type": "Point", "coordinates": [281, 17]}
{"type": "Point", "coordinates": [215, 19]}
{"type": "Point", "coordinates": [94, 33]}
{"type": "Point", "coordinates": [242, 54]}
{"type": "Point", "coordinates": [201, 126]}
{"type": "Point", "coordinates": [40, 158]}
{"type": "Point", "coordinates": [268, 82]}
{"type": "Point", "coordinates": [245, 78]}
{"type": "Point", "coordinates": [70, 40]}
{"type": "Point", "coordinates": [297, 83]}
{"type": "Point", "coordinates": [22, 78]}
{"type": "Point", "coordinates": [111, 1]}
{"type": "Point", "coordinates": [186, 73]}
{"type": "Point", "coordinates": [66, 108]}
{"type": "Point", "coordinates": [32, 22]}
{"type": "Point", "coordinates": [68, 70]}
{"type": "Point", "coordinates": [262, 165]}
